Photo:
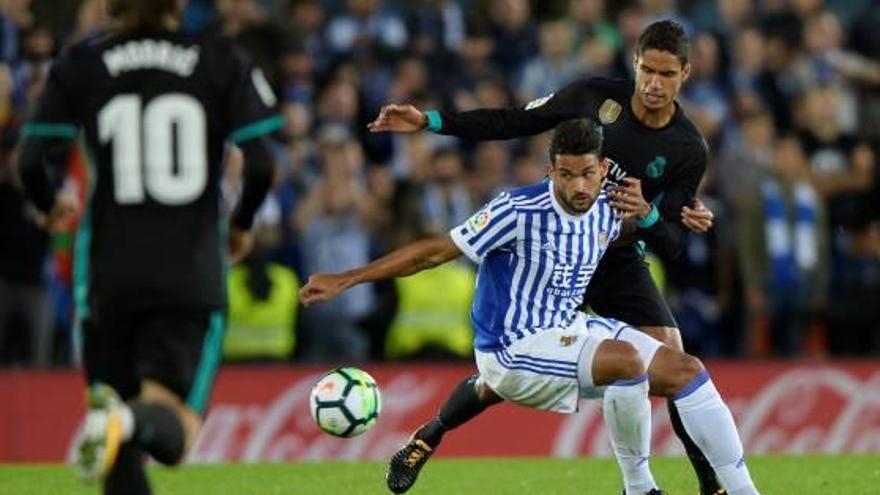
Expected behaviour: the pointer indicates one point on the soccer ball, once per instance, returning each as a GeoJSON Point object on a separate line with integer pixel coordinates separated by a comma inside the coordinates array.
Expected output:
{"type": "Point", "coordinates": [345, 402]}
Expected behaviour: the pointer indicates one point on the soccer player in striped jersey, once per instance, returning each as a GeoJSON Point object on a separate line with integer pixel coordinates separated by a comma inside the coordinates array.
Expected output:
{"type": "Point", "coordinates": [537, 248]}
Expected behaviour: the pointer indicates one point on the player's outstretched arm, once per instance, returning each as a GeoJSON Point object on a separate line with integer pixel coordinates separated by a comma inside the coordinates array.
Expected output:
{"type": "Point", "coordinates": [399, 118]}
{"type": "Point", "coordinates": [484, 124]}
{"type": "Point", "coordinates": [410, 259]}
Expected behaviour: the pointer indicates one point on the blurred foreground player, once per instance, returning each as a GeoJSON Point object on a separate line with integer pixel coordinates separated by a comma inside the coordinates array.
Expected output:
{"type": "Point", "coordinates": [153, 110]}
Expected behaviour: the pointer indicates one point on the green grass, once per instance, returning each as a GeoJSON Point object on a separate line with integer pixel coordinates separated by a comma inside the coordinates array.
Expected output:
{"type": "Point", "coordinates": [790, 475]}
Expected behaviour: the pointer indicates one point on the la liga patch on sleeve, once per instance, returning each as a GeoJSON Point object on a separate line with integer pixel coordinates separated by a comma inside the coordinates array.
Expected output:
{"type": "Point", "coordinates": [479, 221]}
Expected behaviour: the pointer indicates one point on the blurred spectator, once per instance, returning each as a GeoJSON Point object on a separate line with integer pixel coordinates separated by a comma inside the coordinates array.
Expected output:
{"type": "Point", "coordinates": [745, 160]}
{"type": "Point", "coordinates": [491, 171]}
{"type": "Point", "coordinates": [30, 73]}
{"type": "Point", "coordinates": [783, 247]}
{"type": "Point", "coordinates": [15, 17]}
{"type": "Point", "coordinates": [333, 223]}
{"type": "Point", "coordinates": [26, 330]}
{"type": "Point", "coordinates": [864, 39]}
{"type": "Point", "coordinates": [438, 29]}
{"type": "Point", "coordinates": [555, 66]}
{"type": "Point", "coordinates": [262, 297]}
{"type": "Point", "coordinates": [445, 201]}
{"type": "Point", "coordinates": [704, 95]}
{"type": "Point", "coordinates": [842, 167]}
{"type": "Point", "coordinates": [514, 33]}
{"type": "Point", "coordinates": [367, 31]}
{"type": "Point", "coordinates": [591, 25]}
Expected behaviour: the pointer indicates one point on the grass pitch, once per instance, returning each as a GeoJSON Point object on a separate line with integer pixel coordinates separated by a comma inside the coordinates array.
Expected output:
{"type": "Point", "coordinates": [783, 475]}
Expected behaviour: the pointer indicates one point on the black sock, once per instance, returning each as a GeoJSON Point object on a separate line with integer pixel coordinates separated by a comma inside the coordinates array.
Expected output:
{"type": "Point", "coordinates": [705, 473]}
{"type": "Point", "coordinates": [462, 405]}
{"type": "Point", "coordinates": [127, 476]}
{"type": "Point", "coordinates": [158, 431]}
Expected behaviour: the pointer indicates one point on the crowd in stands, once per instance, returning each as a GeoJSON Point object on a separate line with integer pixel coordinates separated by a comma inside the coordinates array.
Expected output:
{"type": "Point", "coordinates": [786, 92]}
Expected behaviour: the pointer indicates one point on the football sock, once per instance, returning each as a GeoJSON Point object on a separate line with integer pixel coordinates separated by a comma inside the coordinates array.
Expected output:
{"type": "Point", "coordinates": [158, 431]}
{"type": "Point", "coordinates": [127, 476]}
{"type": "Point", "coordinates": [462, 405]}
{"type": "Point", "coordinates": [627, 412]}
{"type": "Point", "coordinates": [710, 425]}
{"type": "Point", "coordinates": [705, 473]}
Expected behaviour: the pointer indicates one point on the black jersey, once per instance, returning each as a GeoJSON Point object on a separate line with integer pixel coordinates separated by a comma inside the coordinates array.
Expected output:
{"type": "Point", "coordinates": [669, 161]}
{"type": "Point", "coordinates": [154, 112]}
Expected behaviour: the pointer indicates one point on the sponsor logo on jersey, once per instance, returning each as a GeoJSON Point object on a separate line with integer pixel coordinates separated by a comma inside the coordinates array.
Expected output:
{"type": "Point", "coordinates": [603, 239]}
{"type": "Point", "coordinates": [616, 173]}
{"type": "Point", "coordinates": [656, 167]}
{"type": "Point", "coordinates": [538, 102]}
{"type": "Point", "coordinates": [479, 221]}
{"type": "Point", "coordinates": [609, 111]}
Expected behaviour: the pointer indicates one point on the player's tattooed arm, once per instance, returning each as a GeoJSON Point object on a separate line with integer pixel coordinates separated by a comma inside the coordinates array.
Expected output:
{"type": "Point", "coordinates": [408, 260]}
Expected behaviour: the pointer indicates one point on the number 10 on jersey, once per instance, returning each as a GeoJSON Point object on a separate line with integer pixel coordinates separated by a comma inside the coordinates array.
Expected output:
{"type": "Point", "coordinates": [143, 140]}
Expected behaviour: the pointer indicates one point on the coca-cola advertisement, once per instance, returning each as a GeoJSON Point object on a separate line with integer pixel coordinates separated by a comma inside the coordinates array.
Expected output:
{"type": "Point", "coordinates": [261, 414]}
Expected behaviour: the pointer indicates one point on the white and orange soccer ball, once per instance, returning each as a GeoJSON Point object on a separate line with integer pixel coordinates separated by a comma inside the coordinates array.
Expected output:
{"type": "Point", "coordinates": [346, 402]}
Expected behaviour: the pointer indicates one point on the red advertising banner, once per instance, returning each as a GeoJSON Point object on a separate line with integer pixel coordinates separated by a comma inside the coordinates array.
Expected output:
{"type": "Point", "coordinates": [260, 414]}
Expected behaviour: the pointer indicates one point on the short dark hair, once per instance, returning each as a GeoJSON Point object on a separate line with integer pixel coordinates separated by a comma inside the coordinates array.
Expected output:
{"type": "Point", "coordinates": [142, 14]}
{"type": "Point", "coordinates": [576, 137]}
{"type": "Point", "coordinates": [668, 36]}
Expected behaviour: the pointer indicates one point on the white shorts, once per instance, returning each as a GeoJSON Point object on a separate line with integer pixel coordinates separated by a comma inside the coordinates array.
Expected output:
{"type": "Point", "coordinates": [552, 369]}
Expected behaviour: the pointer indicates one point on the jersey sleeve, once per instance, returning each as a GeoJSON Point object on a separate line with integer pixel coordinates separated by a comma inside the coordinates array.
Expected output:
{"type": "Point", "coordinates": [570, 102]}
{"type": "Point", "coordinates": [54, 115]}
{"type": "Point", "coordinates": [493, 227]}
{"type": "Point", "coordinates": [253, 104]}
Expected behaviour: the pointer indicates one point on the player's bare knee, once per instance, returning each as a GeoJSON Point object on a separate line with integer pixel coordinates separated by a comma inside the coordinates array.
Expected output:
{"type": "Point", "coordinates": [631, 363]}
{"type": "Point", "coordinates": [689, 367]}
{"type": "Point", "coordinates": [616, 360]}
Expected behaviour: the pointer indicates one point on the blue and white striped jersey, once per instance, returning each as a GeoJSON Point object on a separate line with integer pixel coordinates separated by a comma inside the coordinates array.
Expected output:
{"type": "Point", "coordinates": [535, 261]}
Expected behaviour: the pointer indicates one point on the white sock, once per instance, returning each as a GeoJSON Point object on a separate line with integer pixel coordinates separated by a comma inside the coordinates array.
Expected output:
{"type": "Point", "coordinates": [627, 412]}
{"type": "Point", "coordinates": [709, 423]}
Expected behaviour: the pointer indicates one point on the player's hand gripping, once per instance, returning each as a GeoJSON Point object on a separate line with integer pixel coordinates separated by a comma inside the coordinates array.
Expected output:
{"type": "Point", "coordinates": [323, 287]}
{"type": "Point", "coordinates": [628, 199]}
{"type": "Point", "coordinates": [698, 219]}
{"type": "Point", "coordinates": [241, 242]}
{"type": "Point", "coordinates": [398, 118]}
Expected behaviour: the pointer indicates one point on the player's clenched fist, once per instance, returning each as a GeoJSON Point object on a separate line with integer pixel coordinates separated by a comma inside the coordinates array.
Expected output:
{"type": "Point", "coordinates": [398, 118]}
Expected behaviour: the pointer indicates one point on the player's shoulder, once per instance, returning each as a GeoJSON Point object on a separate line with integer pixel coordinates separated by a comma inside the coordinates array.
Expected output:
{"type": "Point", "coordinates": [528, 196]}
{"type": "Point", "coordinates": [686, 127]}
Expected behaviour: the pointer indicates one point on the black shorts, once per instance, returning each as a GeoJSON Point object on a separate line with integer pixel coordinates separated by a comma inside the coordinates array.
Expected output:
{"type": "Point", "coordinates": [180, 349]}
{"type": "Point", "coordinates": [622, 288]}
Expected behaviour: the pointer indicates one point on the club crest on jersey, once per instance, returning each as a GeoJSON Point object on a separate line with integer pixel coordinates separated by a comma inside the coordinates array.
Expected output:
{"type": "Point", "coordinates": [567, 340]}
{"type": "Point", "coordinates": [609, 111]}
{"type": "Point", "coordinates": [656, 167]}
{"type": "Point", "coordinates": [479, 221]}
